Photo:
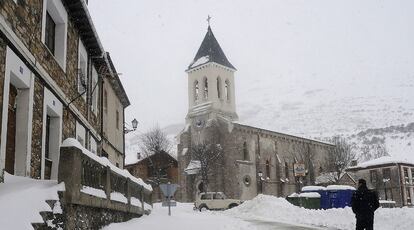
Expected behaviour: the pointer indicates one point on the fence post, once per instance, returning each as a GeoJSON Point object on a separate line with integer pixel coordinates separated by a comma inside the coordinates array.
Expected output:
{"type": "Point", "coordinates": [142, 199]}
{"type": "Point", "coordinates": [108, 183]}
{"type": "Point", "coordinates": [70, 172]}
{"type": "Point", "coordinates": [128, 191]}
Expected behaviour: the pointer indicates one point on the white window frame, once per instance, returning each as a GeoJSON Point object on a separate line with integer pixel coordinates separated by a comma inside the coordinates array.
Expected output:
{"type": "Point", "coordinates": [59, 15]}
{"type": "Point", "coordinates": [95, 93]}
{"type": "Point", "coordinates": [82, 68]}
{"type": "Point", "coordinates": [93, 145]}
{"type": "Point", "coordinates": [81, 134]}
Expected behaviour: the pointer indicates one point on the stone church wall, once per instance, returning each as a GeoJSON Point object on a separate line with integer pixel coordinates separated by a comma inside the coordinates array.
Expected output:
{"type": "Point", "coordinates": [267, 152]}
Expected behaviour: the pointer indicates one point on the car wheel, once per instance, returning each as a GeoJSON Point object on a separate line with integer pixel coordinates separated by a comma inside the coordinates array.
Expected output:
{"type": "Point", "coordinates": [233, 205]}
{"type": "Point", "coordinates": [203, 208]}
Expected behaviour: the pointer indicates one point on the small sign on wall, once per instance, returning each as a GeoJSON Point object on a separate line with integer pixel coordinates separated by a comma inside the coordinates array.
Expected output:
{"type": "Point", "coordinates": [299, 169]}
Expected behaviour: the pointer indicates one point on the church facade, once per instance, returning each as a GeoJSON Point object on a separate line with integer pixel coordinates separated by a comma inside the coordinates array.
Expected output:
{"type": "Point", "coordinates": [253, 160]}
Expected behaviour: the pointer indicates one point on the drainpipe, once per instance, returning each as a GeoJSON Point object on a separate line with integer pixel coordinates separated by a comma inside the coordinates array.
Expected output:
{"type": "Point", "coordinates": [101, 79]}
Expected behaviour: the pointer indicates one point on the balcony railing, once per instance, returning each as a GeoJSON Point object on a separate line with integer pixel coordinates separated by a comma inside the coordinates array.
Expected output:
{"type": "Point", "coordinates": [92, 181]}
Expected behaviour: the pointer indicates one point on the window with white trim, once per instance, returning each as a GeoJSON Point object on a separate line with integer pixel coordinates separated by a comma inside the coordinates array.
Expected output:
{"type": "Point", "coordinates": [95, 91]}
{"type": "Point", "coordinates": [93, 145]}
{"type": "Point", "coordinates": [80, 134]}
{"type": "Point", "coordinates": [82, 70]}
{"type": "Point", "coordinates": [54, 30]}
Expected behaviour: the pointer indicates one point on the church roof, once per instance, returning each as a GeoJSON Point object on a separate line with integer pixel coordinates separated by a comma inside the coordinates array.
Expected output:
{"type": "Point", "coordinates": [210, 51]}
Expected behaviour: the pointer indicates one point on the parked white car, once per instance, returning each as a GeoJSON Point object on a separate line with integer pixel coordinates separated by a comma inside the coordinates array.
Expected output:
{"type": "Point", "coordinates": [214, 201]}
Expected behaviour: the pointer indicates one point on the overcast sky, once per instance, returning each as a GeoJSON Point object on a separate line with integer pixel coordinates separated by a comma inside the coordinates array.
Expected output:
{"type": "Point", "coordinates": [152, 43]}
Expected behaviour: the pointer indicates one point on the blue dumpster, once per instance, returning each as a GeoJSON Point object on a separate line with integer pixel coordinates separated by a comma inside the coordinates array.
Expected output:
{"type": "Point", "coordinates": [340, 195]}
{"type": "Point", "coordinates": [325, 204]}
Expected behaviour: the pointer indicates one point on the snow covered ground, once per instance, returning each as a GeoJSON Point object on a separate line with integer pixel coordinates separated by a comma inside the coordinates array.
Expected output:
{"type": "Point", "coordinates": [270, 208]}
{"type": "Point", "coordinates": [265, 212]}
{"type": "Point", "coordinates": [183, 217]}
{"type": "Point", "coordinates": [22, 198]}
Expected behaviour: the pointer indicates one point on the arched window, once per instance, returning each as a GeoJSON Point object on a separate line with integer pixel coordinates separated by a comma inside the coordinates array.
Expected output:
{"type": "Point", "coordinates": [227, 89]}
{"type": "Point", "coordinates": [205, 88]}
{"type": "Point", "coordinates": [196, 91]}
{"type": "Point", "coordinates": [245, 152]}
{"type": "Point", "coordinates": [286, 170]}
{"type": "Point", "coordinates": [267, 169]}
{"type": "Point", "coordinates": [219, 87]}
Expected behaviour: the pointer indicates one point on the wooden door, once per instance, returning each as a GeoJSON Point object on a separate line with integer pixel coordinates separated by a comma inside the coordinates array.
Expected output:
{"type": "Point", "coordinates": [11, 131]}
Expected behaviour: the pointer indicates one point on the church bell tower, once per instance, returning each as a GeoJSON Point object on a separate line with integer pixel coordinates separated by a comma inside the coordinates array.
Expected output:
{"type": "Point", "coordinates": [210, 84]}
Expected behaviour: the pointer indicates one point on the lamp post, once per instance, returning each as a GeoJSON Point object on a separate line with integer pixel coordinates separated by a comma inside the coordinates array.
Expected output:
{"type": "Point", "coordinates": [260, 175]}
{"type": "Point", "coordinates": [134, 124]}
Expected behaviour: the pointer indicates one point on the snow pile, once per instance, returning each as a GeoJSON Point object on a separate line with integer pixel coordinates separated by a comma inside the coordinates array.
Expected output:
{"type": "Point", "coordinates": [93, 191]}
{"type": "Point", "coordinates": [183, 217]}
{"type": "Point", "coordinates": [71, 142]}
{"type": "Point", "coordinates": [339, 187]}
{"type": "Point", "coordinates": [200, 61]}
{"type": "Point", "coordinates": [310, 195]}
{"type": "Point", "coordinates": [270, 208]}
{"type": "Point", "coordinates": [22, 198]}
{"type": "Point", "coordinates": [312, 188]}
{"type": "Point", "coordinates": [116, 196]}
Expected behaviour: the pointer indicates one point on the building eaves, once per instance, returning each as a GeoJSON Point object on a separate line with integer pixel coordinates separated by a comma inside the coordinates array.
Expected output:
{"type": "Point", "coordinates": [116, 83]}
{"type": "Point", "coordinates": [79, 14]}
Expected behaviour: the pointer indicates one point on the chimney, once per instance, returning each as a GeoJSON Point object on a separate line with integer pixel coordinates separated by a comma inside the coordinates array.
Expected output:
{"type": "Point", "coordinates": [139, 156]}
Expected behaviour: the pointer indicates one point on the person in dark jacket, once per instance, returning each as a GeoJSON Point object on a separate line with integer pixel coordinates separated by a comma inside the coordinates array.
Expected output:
{"type": "Point", "coordinates": [364, 204]}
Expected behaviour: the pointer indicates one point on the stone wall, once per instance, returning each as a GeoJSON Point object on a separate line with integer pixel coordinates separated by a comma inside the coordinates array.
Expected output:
{"type": "Point", "coordinates": [25, 19]}
{"type": "Point", "coordinates": [83, 217]}
{"type": "Point", "coordinates": [37, 130]}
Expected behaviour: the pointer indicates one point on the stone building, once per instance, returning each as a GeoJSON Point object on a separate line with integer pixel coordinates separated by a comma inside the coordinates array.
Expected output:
{"type": "Point", "coordinates": [155, 169]}
{"type": "Point", "coordinates": [52, 72]}
{"type": "Point", "coordinates": [392, 178]}
{"type": "Point", "coordinates": [254, 160]}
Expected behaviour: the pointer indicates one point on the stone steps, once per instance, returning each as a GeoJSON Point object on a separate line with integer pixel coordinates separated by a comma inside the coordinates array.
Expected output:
{"type": "Point", "coordinates": [52, 220]}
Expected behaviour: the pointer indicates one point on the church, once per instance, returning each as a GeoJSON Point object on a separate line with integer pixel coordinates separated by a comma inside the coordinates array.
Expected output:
{"type": "Point", "coordinates": [254, 160]}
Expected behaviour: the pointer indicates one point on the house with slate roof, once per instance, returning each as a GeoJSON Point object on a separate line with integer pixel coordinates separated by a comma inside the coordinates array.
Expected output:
{"type": "Point", "coordinates": [391, 177]}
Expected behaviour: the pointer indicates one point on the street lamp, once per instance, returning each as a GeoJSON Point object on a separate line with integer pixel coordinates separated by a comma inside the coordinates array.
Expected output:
{"type": "Point", "coordinates": [134, 124]}
{"type": "Point", "coordinates": [260, 175]}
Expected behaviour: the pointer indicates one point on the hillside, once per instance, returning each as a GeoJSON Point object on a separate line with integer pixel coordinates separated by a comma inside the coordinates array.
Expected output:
{"type": "Point", "coordinates": [366, 109]}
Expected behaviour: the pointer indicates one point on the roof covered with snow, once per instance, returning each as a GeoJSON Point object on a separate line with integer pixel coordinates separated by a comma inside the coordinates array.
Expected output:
{"type": "Point", "coordinates": [383, 161]}
{"type": "Point", "coordinates": [210, 51]}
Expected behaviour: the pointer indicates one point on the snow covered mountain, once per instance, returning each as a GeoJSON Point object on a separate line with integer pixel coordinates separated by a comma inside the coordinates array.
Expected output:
{"type": "Point", "coordinates": [367, 110]}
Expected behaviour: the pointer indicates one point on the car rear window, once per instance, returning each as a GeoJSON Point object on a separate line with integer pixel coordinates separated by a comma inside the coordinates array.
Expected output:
{"type": "Point", "coordinates": [206, 196]}
{"type": "Point", "coordinates": [218, 196]}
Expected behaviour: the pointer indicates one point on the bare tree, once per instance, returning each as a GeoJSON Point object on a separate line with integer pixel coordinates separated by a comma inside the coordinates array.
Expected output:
{"type": "Point", "coordinates": [210, 156]}
{"type": "Point", "coordinates": [380, 150]}
{"type": "Point", "coordinates": [373, 151]}
{"type": "Point", "coordinates": [339, 157]}
{"type": "Point", "coordinates": [155, 141]}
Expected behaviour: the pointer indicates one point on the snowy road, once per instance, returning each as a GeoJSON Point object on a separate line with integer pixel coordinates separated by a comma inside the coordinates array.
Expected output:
{"type": "Point", "coordinates": [269, 225]}
{"type": "Point", "coordinates": [185, 218]}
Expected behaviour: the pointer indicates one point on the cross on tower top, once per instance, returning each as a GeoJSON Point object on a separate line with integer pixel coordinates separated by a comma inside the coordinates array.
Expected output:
{"type": "Point", "coordinates": [208, 20]}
